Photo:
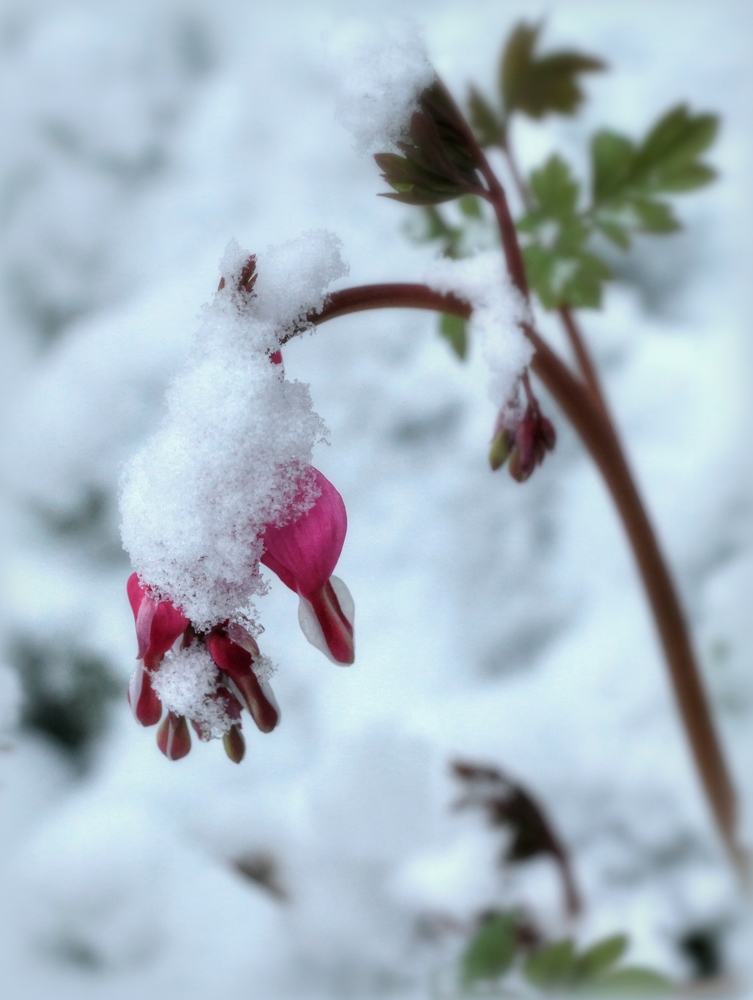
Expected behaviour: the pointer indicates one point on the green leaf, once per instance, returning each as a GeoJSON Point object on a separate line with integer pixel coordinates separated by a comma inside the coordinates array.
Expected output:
{"type": "Point", "coordinates": [559, 280]}
{"type": "Point", "coordinates": [598, 958]}
{"type": "Point", "coordinates": [655, 216]}
{"type": "Point", "coordinates": [632, 980]}
{"type": "Point", "coordinates": [487, 124]}
{"type": "Point", "coordinates": [614, 231]}
{"type": "Point", "coordinates": [536, 86]}
{"type": "Point", "coordinates": [686, 177]}
{"type": "Point", "coordinates": [491, 952]}
{"type": "Point", "coordinates": [453, 329]}
{"type": "Point", "coordinates": [678, 137]}
{"type": "Point", "coordinates": [612, 159]}
{"type": "Point", "coordinates": [554, 188]}
{"type": "Point", "coordinates": [551, 967]}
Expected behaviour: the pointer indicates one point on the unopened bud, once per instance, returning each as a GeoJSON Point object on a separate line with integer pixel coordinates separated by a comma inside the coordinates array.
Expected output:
{"type": "Point", "coordinates": [173, 737]}
{"type": "Point", "coordinates": [234, 744]}
{"type": "Point", "coordinates": [145, 705]}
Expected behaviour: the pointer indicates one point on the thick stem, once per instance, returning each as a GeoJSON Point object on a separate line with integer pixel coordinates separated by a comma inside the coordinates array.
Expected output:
{"type": "Point", "coordinates": [601, 441]}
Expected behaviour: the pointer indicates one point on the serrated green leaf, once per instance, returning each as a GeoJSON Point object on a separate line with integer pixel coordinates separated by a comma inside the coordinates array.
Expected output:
{"type": "Point", "coordinates": [491, 952]}
{"type": "Point", "coordinates": [487, 124]}
{"type": "Point", "coordinates": [600, 956]}
{"type": "Point", "coordinates": [633, 981]}
{"type": "Point", "coordinates": [554, 188]}
{"type": "Point", "coordinates": [611, 163]}
{"type": "Point", "coordinates": [677, 137]}
{"type": "Point", "coordinates": [655, 216]}
{"type": "Point", "coordinates": [536, 86]}
{"type": "Point", "coordinates": [557, 280]}
{"type": "Point", "coordinates": [552, 966]}
{"type": "Point", "coordinates": [614, 231]}
{"type": "Point", "coordinates": [684, 177]}
{"type": "Point", "coordinates": [454, 330]}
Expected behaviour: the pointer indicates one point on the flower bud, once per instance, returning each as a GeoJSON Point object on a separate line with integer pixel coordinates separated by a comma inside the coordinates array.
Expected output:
{"type": "Point", "coordinates": [173, 737]}
{"type": "Point", "coordinates": [145, 705]}
{"type": "Point", "coordinates": [234, 744]}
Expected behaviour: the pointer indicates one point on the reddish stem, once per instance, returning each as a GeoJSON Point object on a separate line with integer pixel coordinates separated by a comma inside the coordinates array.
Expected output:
{"type": "Point", "coordinates": [598, 435]}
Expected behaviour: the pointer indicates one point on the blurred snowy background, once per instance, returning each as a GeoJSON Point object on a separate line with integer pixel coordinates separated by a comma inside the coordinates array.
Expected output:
{"type": "Point", "coordinates": [495, 622]}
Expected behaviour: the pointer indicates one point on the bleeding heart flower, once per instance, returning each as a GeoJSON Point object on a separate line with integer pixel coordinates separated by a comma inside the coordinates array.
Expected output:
{"type": "Point", "coordinates": [304, 553]}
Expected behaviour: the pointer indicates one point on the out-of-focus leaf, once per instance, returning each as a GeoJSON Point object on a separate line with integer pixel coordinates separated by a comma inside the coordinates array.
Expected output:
{"type": "Point", "coordinates": [655, 216]}
{"type": "Point", "coordinates": [574, 280]}
{"type": "Point", "coordinates": [677, 138]}
{"type": "Point", "coordinates": [453, 329]}
{"type": "Point", "coordinates": [491, 952]}
{"type": "Point", "coordinates": [554, 188]}
{"type": "Point", "coordinates": [487, 124]}
{"type": "Point", "coordinates": [614, 231]}
{"type": "Point", "coordinates": [612, 159]}
{"type": "Point", "coordinates": [600, 956]}
{"type": "Point", "coordinates": [633, 981]}
{"type": "Point", "coordinates": [552, 967]}
{"type": "Point", "coordinates": [537, 85]}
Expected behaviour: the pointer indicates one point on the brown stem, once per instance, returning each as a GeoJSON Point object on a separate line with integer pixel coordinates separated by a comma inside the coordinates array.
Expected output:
{"type": "Point", "coordinates": [601, 441]}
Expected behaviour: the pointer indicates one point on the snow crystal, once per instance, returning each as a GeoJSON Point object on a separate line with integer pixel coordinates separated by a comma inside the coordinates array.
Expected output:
{"type": "Point", "coordinates": [234, 451]}
{"type": "Point", "coordinates": [383, 71]}
{"type": "Point", "coordinates": [186, 683]}
{"type": "Point", "coordinates": [498, 311]}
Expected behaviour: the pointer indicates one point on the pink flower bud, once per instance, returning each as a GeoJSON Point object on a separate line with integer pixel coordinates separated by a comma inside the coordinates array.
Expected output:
{"type": "Point", "coordinates": [173, 737]}
{"type": "Point", "coordinates": [237, 664]}
{"type": "Point", "coordinates": [304, 553]}
{"type": "Point", "coordinates": [158, 623]}
{"type": "Point", "coordinates": [145, 705]}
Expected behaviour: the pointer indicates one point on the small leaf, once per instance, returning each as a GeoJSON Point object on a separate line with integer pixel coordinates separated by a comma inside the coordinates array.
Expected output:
{"type": "Point", "coordinates": [685, 177]}
{"type": "Point", "coordinates": [536, 86]}
{"type": "Point", "coordinates": [554, 188]}
{"type": "Point", "coordinates": [552, 966]}
{"type": "Point", "coordinates": [558, 280]}
{"type": "Point", "coordinates": [633, 980]}
{"type": "Point", "coordinates": [597, 959]}
{"type": "Point", "coordinates": [614, 231]}
{"type": "Point", "coordinates": [655, 216]}
{"type": "Point", "coordinates": [677, 137]}
{"type": "Point", "coordinates": [611, 159]}
{"type": "Point", "coordinates": [491, 952]}
{"type": "Point", "coordinates": [453, 329]}
{"type": "Point", "coordinates": [488, 126]}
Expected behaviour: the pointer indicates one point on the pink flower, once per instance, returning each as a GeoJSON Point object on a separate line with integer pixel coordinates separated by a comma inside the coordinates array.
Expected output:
{"type": "Point", "coordinates": [304, 553]}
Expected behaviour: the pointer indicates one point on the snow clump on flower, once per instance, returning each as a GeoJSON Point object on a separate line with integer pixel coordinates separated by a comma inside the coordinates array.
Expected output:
{"type": "Point", "coordinates": [234, 451]}
{"type": "Point", "coordinates": [495, 323]}
{"type": "Point", "coordinates": [384, 68]}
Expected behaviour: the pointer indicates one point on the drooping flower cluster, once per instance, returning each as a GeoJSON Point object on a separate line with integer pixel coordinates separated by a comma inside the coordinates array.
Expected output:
{"type": "Point", "coordinates": [227, 485]}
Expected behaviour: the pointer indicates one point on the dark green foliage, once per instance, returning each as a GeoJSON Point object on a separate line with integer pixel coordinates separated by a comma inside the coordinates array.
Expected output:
{"type": "Point", "coordinates": [626, 178]}
{"type": "Point", "coordinates": [66, 692]}
{"type": "Point", "coordinates": [559, 267]}
{"type": "Point", "coordinates": [537, 85]}
{"type": "Point", "coordinates": [453, 329]}
{"type": "Point", "coordinates": [491, 951]}
{"type": "Point", "coordinates": [559, 968]}
{"type": "Point", "coordinates": [437, 164]}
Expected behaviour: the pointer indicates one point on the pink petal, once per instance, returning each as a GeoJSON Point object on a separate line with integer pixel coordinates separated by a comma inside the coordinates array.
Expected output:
{"type": "Point", "coordinates": [145, 705]}
{"type": "Point", "coordinates": [326, 619]}
{"type": "Point", "coordinates": [236, 662]}
{"type": "Point", "coordinates": [304, 552]}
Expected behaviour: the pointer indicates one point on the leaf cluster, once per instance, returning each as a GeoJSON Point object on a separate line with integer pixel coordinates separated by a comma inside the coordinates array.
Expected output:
{"type": "Point", "coordinates": [438, 163]}
{"type": "Point", "coordinates": [626, 179]}
{"type": "Point", "coordinates": [556, 967]}
{"type": "Point", "coordinates": [531, 84]}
